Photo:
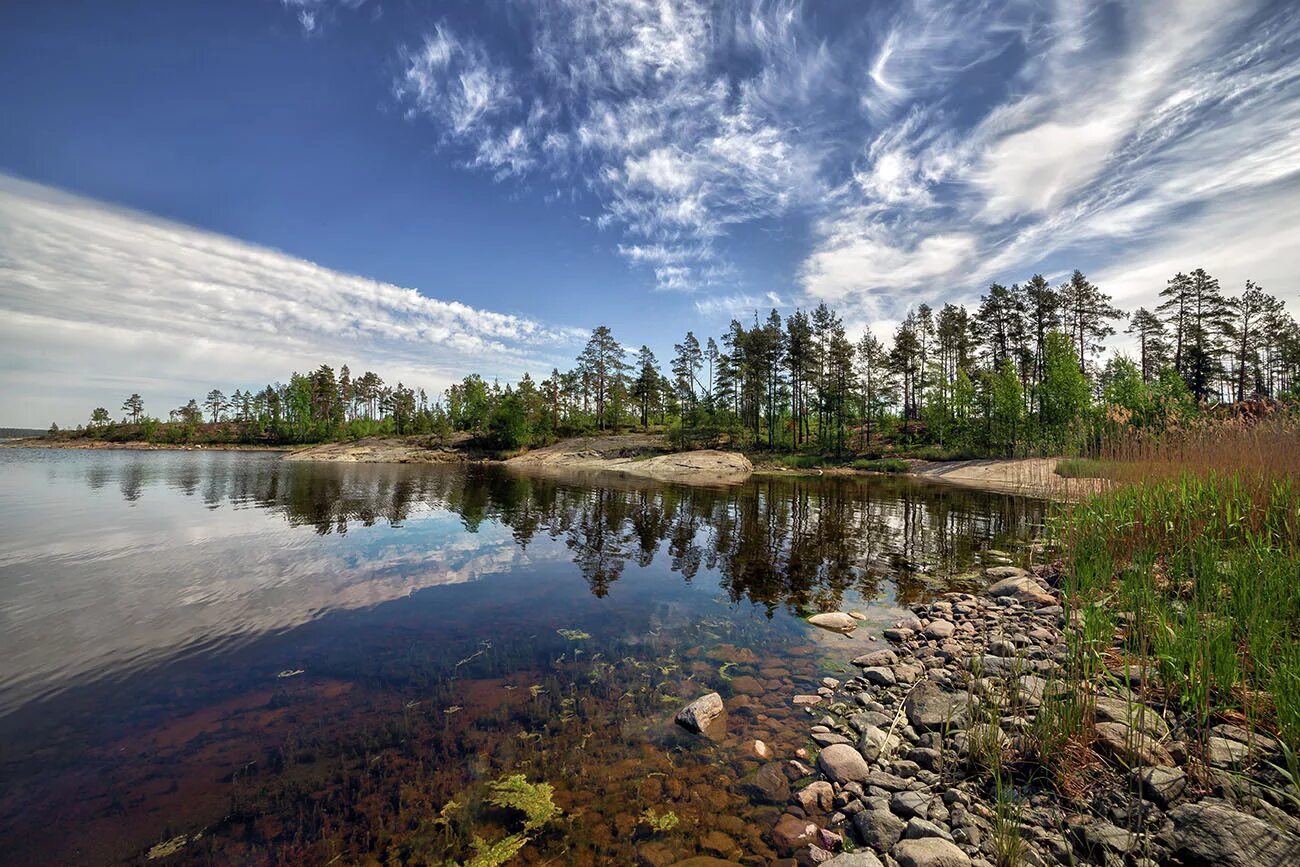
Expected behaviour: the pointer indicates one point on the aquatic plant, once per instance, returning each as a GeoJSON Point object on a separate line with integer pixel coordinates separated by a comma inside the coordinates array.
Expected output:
{"type": "Point", "coordinates": [534, 800]}
{"type": "Point", "coordinates": [498, 853]}
{"type": "Point", "coordinates": [659, 824]}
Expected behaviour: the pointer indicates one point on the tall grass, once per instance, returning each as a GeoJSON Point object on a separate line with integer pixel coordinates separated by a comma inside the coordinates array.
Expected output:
{"type": "Point", "coordinates": [1199, 547]}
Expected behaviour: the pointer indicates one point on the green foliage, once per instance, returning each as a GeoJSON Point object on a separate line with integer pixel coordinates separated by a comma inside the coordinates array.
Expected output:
{"type": "Point", "coordinates": [508, 427]}
{"type": "Point", "coordinates": [534, 800]}
{"type": "Point", "coordinates": [882, 465]}
{"type": "Point", "coordinates": [1081, 468]}
{"type": "Point", "coordinates": [1064, 393]}
{"type": "Point", "coordinates": [498, 853]}
{"type": "Point", "coordinates": [659, 824]}
{"type": "Point", "coordinates": [1210, 566]}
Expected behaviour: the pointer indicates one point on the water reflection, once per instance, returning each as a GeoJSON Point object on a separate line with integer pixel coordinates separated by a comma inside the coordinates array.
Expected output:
{"type": "Point", "coordinates": [150, 600]}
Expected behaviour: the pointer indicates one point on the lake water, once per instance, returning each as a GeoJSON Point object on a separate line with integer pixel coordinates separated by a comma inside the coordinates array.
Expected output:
{"type": "Point", "coordinates": [218, 657]}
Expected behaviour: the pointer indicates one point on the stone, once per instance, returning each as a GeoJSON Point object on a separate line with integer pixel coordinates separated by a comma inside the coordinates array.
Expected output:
{"type": "Point", "coordinates": [888, 782]}
{"type": "Point", "coordinates": [929, 852]}
{"type": "Point", "coordinates": [1030, 690]}
{"type": "Point", "coordinates": [878, 829]}
{"type": "Point", "coordinates": [879, 675]}
{"type": "Point", "coordinates": [907, 804]}
{"type": "Point", "coordinates": [1102, 836]}
{"type": "Point", "coordinates": [931, 707]}
{"type": "Point", "coordinates": [908, 672]}
{"type": "Point", "coordinates": [807, 700]}
{"type": "Point", "coordinates": [1021, 588]}
{"type": "Point", "coordinates": [1130, 747]}
{"type": "Point", "coordinates": [1216, 834]}
{"type": "Point", "coordinates": [760, 749]}
{"type": "Point", "coordinates": [940, 629]}
{"type": "Point", "coordinates": [818, 797]}
{"type": "Point", "coordinates": [717, 842]}
{"type": "Point", "coordinates": [877, 658]}
{"type": "Point", "coordinates": [791, 833]}
{"type": "Point", "coordinates": [706, 715]}
{"type": "Point", "coordinates": [705, 861]}
{"type": "Point", "coordinates": [655, 855]}
{"type": "Point", "coordinates": [1257, 741]}
{"type": "Point", "coordinates": [827, 739]}
{"type": "Point", "coordinates": [1225, 753]}
{"type": "Point", "coordinates": [853, 859]}
{"type": "Point", "coordinates": [918, 828]}
{"type": "Point", "coordinates": [1161, 785]}
{"type": "Point", "coordinates": [898, 634]}
{"type": "Point", "coordinates": [768, 784]}
{"type": "Point", "coordinates": [843, 764]}
{"type": "Point", "coordinates": [1108, 708]}
{"type": "Point", "coordinates": [835, 621]}
{"type": "Point", "coordinates": [876, 742]}
{"type": "Point", "coordinates": [926, 757]}
{"type": "Point", "coordinates": [746, 684]}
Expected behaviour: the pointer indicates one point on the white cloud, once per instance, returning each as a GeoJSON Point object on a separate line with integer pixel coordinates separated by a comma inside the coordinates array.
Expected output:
{"type": "Point", "coordinates": [627, 99]}
{"type": "Point", "coordinates": [930, 145]}
{"type": "Point", "coordinates": [173, 311]}
{"type": "Point", "coordinates": [1117, 131]}
{"type": "Point", "coordinates": [311, 13]}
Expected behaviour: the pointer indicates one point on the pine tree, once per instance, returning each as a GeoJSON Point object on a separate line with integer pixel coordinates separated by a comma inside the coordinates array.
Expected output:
{"type": "Point", "coordinates": [1153, 344]}
{"type": "Point", "coordinates": [645, 388]}
{"type": "Point", "coordinates": [1087, 314]}
{"type": "Point", "coordinates": [1248, 315]}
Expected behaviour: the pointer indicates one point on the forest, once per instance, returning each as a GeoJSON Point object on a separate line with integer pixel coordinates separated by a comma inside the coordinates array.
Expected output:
{"type": "Point", "coordinates": [1022, 373]}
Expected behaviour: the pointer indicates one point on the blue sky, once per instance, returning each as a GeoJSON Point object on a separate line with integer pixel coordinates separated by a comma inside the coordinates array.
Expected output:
{"type": "Point", "coordinates": [216, 193]}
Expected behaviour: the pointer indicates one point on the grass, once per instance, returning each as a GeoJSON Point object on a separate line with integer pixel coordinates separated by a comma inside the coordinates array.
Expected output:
{"type": "Point", "coordinates": [882, 465]}
{"type": "Point", "coordinates": [1195, 559]}
{"type": "Point", "coordinates": [1083, 468]}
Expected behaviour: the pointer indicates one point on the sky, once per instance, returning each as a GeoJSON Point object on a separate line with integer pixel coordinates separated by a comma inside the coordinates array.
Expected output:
{"type": "Point", "coordinates": [198, 195]}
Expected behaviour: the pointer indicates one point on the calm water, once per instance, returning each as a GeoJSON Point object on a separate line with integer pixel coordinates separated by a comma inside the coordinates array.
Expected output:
{"type": "Point", "coordinates": [266, 662]}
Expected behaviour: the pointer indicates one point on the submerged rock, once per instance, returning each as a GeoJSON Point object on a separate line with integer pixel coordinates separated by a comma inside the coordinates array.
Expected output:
{"type": "Point", "coordinates": [835, 621]}
{"type": "Point", "coordinates": [792, 832]}
{"type": "Point", "coordinates": [706, 715]}
{"type": "Point", "coordinates": [768, 784]}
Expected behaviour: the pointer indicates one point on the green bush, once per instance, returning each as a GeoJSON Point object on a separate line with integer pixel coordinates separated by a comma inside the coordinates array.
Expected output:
{"type": "Point", "coordinates": [882, 465]}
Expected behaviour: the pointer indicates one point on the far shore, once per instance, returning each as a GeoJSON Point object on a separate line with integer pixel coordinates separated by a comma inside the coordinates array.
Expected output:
{"type": "Point", "coordinates": [636, 456]}
{"type": "Point", "coordinates": [135, 446]}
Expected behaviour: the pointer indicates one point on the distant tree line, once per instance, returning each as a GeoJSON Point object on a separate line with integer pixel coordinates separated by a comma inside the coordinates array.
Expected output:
{"type": "Point", "coordinates": [1020, 373]}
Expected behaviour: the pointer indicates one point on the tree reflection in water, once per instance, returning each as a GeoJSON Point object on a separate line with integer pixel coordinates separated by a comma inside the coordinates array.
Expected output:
{"type": "Point", "coordinates": [778, 541]}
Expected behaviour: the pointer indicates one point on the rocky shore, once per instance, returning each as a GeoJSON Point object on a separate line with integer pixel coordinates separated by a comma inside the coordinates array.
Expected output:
{"type": "Point", "coordinates": [933, 755]}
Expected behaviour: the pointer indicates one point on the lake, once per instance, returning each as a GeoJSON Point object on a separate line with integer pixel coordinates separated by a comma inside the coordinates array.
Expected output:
{"type": "Point", "coordinates": [222, 657]}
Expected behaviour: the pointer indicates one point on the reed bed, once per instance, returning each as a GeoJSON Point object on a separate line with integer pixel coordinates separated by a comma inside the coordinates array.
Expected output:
{"type": "Point", "coordinates": [1193, 561]}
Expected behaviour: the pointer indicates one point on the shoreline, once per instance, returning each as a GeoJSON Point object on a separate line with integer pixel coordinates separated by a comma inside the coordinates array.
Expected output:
{"type": "Point", "coordinates": [136, 446]}
{"type": "Point", "coordinates": [933, 753]}
{"type": "Point", "coordinates": [636, 456]}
